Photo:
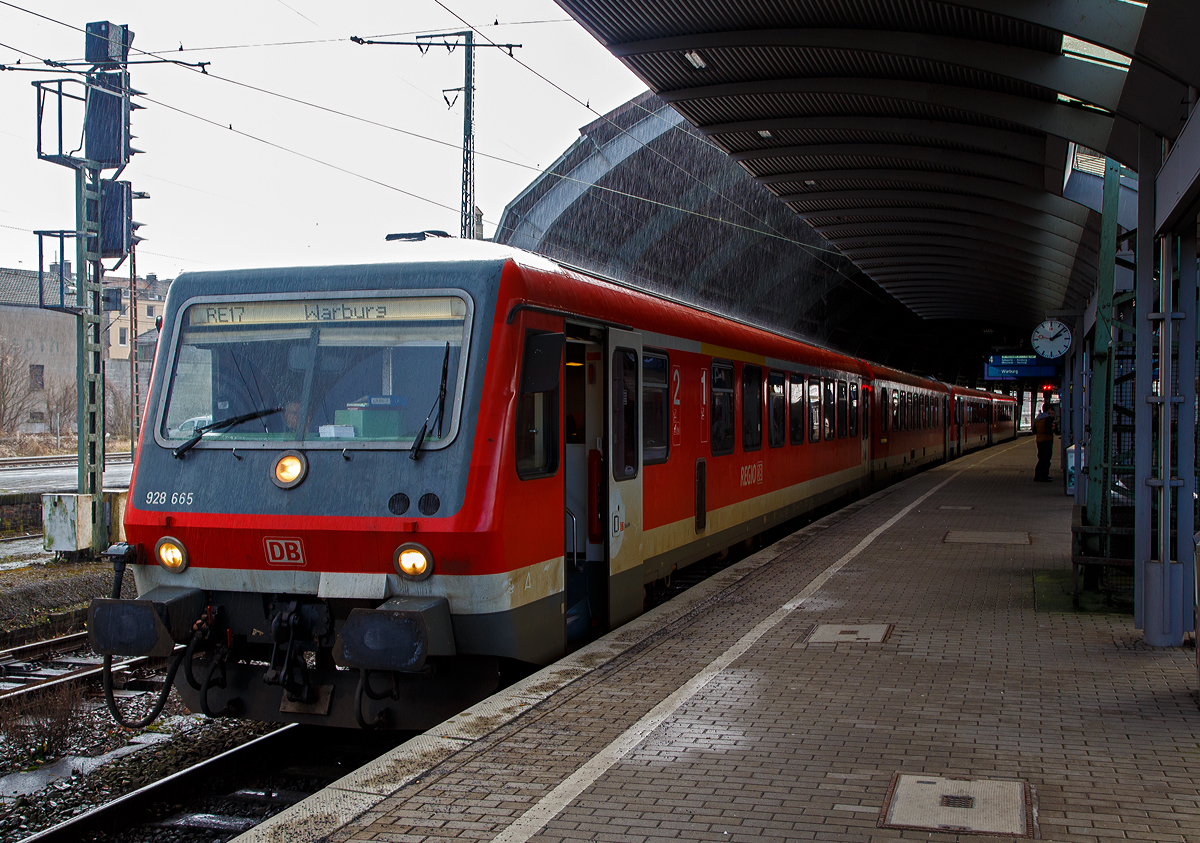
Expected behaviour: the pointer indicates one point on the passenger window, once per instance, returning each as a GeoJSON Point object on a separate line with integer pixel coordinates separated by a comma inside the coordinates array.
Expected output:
{"type": "Point", "coordinates": [656, 418]}
{"type": "Point", "coordinates": [752, 401]}
{"type": "Point", "coordinates": [722, 409]}
{"type": "Point", "coordinates": [853, 418]}
{"type": "Point", "coordinates": [842, 411]}
{"type": "Point", "coordinates": [829, 407]}
{"type": "Point", "coordinates": [895, 410]}
{"type": "Point", "coordinates": [537, 412]}
{"type": "Point", "coordinates": [625, 412]}
{"type": "Point", "coordinates": [883, 403]}
{"type": "Point", "coordinates": [776, 409]}
{"type": "Point", "coordinates": [814, 410]}
{"type": "Point", "coordinates": [796, 399]}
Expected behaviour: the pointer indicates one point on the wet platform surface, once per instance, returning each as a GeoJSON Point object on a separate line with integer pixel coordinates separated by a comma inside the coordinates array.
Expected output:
{"type": "Point", "coordinates": [864, 679]}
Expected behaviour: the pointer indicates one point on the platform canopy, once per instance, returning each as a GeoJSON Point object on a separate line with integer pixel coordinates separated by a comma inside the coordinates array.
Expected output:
{"type": "Point", "coordinates": [926, 141]}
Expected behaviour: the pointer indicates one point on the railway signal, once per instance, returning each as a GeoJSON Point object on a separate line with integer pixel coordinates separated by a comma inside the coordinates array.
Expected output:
{"type": "Point", "coordinates": [104, 229]}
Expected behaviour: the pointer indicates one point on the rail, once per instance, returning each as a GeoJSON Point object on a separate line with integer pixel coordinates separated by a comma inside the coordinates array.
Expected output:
{"type": "Point", "coordinates": [118, 814]}
{"type": "Point", "coordinates": [57, 460]}
{"type": "Point", "coordinates": [18, 666]}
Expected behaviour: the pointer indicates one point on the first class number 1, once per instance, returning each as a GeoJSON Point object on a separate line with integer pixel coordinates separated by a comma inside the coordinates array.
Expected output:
{"type": "Point", "coordinates": [175, 498]}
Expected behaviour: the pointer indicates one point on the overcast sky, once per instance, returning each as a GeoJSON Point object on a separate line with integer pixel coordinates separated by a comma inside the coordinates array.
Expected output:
{"type": "Point", "coordinates": [223, 199]}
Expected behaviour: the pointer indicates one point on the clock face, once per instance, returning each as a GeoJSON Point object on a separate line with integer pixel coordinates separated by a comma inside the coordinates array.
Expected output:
{"type": "Point", "coordinates": [1051, 339]}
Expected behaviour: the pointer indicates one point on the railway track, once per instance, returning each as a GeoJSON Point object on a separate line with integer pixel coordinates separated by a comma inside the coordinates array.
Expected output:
{"type": "Point", "coordinates": [58, 460]}
{"type": "Point", "coordinates": [229, 793]}
{"type": "Point", "coordinates": [40, 666]}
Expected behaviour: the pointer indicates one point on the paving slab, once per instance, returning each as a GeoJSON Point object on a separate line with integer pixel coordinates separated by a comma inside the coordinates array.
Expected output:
{"type": "Point", "coordinates": [728, 715]}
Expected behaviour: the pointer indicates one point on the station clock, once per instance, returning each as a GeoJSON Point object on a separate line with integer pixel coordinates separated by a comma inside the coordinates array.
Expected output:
{"type": "Point", "coordinates": [1051, 339]}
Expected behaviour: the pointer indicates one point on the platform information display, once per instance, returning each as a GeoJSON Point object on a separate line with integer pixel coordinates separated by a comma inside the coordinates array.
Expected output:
{"type": "Point", "coordinates": [1011, 367]}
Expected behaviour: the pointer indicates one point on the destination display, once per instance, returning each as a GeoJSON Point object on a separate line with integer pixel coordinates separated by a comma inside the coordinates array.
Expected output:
{"type": "Point", "coordinates": [322, 310]}
{"type": "Point", "coordinates": [1011, 367]}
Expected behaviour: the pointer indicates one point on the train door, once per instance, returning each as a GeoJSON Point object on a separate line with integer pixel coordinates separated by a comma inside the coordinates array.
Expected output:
{"type": "Point", "coordinates": [623, 405]}
{"type": "Point", "coordinates": [867, 437]}
{"type": "Point", "coordinates": [960, 422]}
{"type": "Point", "coordinates": [947, 454]}
{"type": "Point", "coordinates": [585, 488]}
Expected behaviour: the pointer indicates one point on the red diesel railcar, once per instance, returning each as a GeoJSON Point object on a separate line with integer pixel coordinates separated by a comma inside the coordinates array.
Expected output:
{"type": "Point", "coordinates": [360, 489]}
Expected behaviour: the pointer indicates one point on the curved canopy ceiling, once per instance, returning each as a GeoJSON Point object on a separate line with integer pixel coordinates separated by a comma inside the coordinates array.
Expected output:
{"type": "Point", "coordinates": [925, 140]}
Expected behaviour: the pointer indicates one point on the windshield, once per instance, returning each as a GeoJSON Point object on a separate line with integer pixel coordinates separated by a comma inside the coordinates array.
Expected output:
{"type": "Point", "coordinates": [337, 370]}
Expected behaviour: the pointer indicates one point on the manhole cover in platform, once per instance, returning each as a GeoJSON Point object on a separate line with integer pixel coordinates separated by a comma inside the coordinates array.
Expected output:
{"type": "Point", "coordinates": [863, 633]}
{"type": "Point", "coordinates": [960, 806]}
{"type": "Point", "coordinates": [985, 537]}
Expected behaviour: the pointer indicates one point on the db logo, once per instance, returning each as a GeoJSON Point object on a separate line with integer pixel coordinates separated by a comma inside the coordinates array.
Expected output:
{"type": "Point", "coordinates": [284, 551]}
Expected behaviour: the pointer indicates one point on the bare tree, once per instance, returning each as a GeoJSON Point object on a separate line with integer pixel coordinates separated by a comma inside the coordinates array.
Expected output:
{"type": "Point", "coordinates": [61, 406]}
{"type": "Point", "coordinates": [16, 397]}
{"type": "Point", "coordinates": [117, 413]}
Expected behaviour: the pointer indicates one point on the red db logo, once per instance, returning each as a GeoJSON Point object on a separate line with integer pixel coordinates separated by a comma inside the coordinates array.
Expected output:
{"type": "Point", "coordinates": [284, 551]}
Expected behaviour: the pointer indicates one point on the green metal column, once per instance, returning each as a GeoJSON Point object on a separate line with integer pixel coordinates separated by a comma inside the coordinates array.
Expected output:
{"type": "Point", "coordinates": [89, 351]}
{"type": "Point", "coordinates": [1099, 452]}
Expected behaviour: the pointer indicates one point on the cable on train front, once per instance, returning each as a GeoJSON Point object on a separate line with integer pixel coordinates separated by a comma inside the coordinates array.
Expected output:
{"type": "Point", "coordinates": [301, 470]}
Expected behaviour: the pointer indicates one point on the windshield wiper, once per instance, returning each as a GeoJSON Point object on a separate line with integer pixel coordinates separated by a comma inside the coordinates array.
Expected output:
{"type": "Point", "coordinates": [439, 406]}
{"type": "Point", "coordinates": [221, 425]}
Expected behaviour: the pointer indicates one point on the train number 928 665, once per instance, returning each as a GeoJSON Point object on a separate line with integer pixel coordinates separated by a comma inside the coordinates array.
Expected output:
{"type": "Point", "coordinates": [175, 498]}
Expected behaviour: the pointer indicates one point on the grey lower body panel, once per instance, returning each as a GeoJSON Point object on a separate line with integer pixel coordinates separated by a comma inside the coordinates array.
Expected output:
{"type": "Point", "coordinates": [535, 632]}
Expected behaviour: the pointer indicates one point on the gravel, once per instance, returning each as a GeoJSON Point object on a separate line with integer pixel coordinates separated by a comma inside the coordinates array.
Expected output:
{"type": "Point", "coordinates": [31, 593]}
{"type": "Point", "coordinates": [194, 740]}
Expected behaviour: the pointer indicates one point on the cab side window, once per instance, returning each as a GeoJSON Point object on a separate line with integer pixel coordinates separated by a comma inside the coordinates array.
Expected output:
{"type": "Point", "coordinates": [884, 414]}
{"type": "Point", "coordinates": [537, 406]}
{"type": "Point", "coordinates": [722, 409]}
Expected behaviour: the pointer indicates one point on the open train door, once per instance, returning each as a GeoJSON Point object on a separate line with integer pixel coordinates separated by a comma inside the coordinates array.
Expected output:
{"type": "Point", "coordinates": [623, 405]}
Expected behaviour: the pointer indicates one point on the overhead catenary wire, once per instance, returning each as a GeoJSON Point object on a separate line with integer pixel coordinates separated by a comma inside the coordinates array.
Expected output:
{"type": "Point", "coordinates": [587, 104]}
{"type": "Point", "coordinates": [772, 232]}
{"type": "Point", "coordinates": [455, 146]}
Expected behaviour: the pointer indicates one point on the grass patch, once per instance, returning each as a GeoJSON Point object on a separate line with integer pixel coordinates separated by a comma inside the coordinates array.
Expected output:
{"type": "Point", "coordinates": [1052, 593]}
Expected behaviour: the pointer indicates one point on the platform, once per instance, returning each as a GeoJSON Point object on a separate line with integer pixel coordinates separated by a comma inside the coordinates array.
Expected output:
{"type": "Point", "coordinates": [882, 674]}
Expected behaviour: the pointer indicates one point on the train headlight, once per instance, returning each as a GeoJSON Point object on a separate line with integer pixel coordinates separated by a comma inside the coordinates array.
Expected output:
{"type": "Point", "coordinates": [290, 469]}
{"type": "Point", "coordinates": [413, 561]}
{"type": "Point", "coordinates": [171, 554]}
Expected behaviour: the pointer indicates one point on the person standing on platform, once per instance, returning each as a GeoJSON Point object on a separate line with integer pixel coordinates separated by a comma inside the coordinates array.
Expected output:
{"type": "Point", "coordinates": [1043, 434]}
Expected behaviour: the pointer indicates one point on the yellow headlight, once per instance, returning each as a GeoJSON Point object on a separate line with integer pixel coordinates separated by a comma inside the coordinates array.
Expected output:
{"type": "Point", "coordinates": [171, 554]}
{"type": "Point", "coordinates": [413, 561]}
{"type": "Point", "coordinates": [290, 469]}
